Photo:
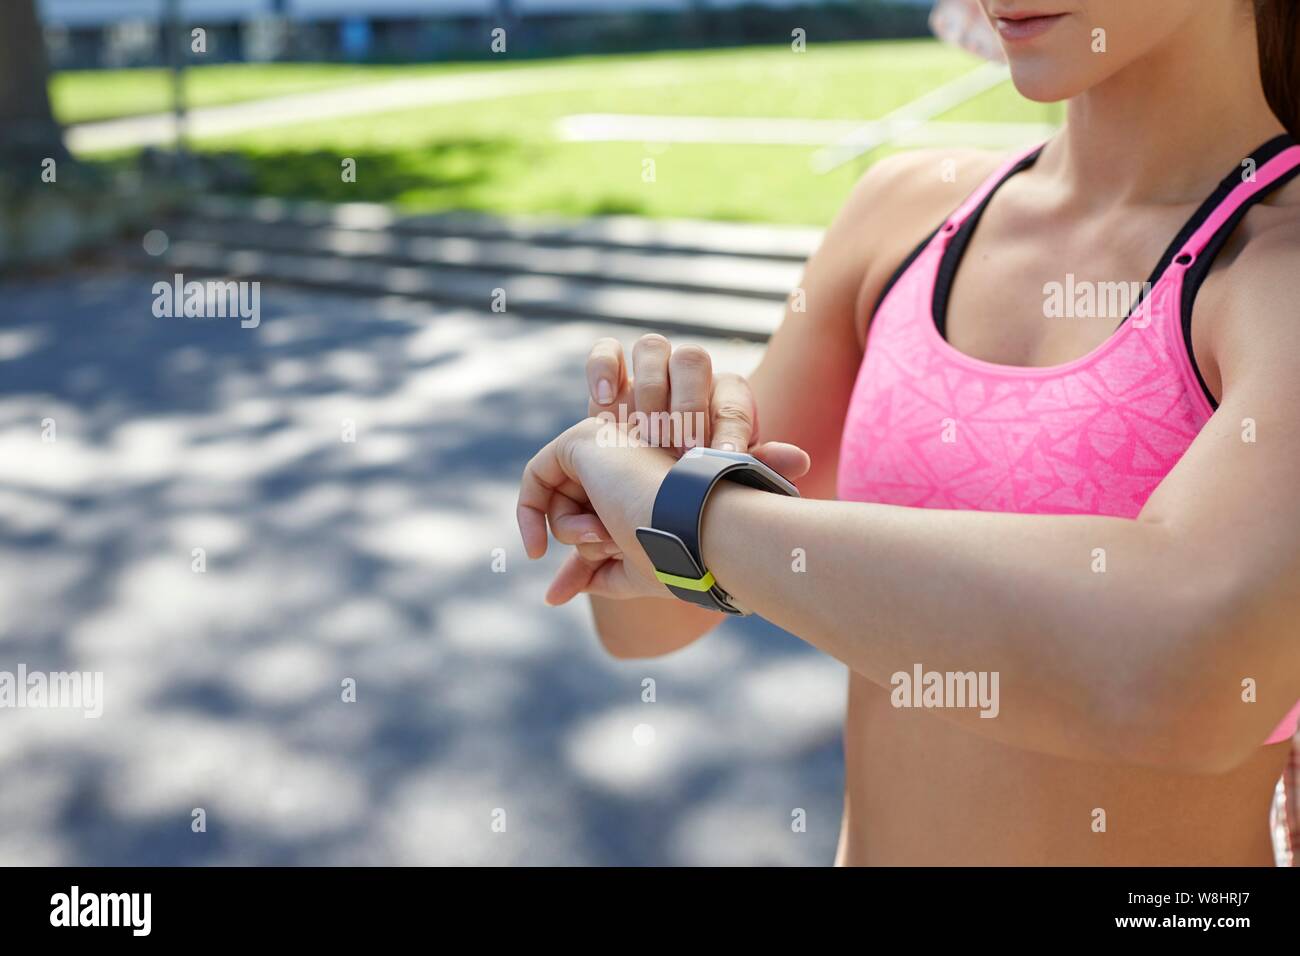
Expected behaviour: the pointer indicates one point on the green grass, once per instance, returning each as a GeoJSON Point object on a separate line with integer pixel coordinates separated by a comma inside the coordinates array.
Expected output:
{"type": "Point", "coordinates": [501, 155]}
{"type": "Point", "coordinates": [80, 96]}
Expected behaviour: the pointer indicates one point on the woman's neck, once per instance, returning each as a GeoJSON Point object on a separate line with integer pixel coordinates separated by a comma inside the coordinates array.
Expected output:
{"type": "Point", "coordinates": [1165, 129]}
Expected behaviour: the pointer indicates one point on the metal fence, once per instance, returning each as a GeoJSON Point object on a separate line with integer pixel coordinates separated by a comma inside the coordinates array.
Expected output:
{"type": "Point", "coordinates": [126, 33]}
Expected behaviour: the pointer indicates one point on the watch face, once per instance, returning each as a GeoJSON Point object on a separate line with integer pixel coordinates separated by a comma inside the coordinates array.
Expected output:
{"type": "Point", "coordinates": [667, 553]}
{"type": "Point", "coordinates": [755, 473]}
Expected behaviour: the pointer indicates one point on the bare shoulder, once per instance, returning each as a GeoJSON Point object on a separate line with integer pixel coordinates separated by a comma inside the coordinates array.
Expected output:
{"type": "Point", "coordinates": [918, 185]}
{"type": "Point", "coordinates": [1252, 297]}
{"type": "Point", "coordinates": [920, 172]}
{"type": "Point", "coordinates": [1259, 267]}
{"type": "Point", "coordinates": [897, 203]}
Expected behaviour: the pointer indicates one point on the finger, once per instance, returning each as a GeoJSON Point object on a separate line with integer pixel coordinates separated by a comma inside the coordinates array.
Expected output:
{"type": "Point", "coordinates": [789, 461]}
{"type": "Point", "coordinates": [599, 551]}
{"type": "Point", "coordinates": [573, 524]}
{"type": "Point", "coordinates": [544, 478]}
{"type": "Point", "coordinates": [620, 409]}
{"type": "Point", "coordinates": [690, 380]}
{"type": "Point", "coordinates": [577, 527]}
{"type": "Point", "coordinates": [734, 418]}
{"type": "Point", "coordinates": [650, 377]}
{"type": "Point", "coordinates": [571, 580]}
{"type": "Point", "coordinates": [606, 374]}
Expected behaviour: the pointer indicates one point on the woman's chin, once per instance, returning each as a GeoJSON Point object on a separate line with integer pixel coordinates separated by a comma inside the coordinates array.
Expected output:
{"type": "Point", "coordinates": [1043, 83]}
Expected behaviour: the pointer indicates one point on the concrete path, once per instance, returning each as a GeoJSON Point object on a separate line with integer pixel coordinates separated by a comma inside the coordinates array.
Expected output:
{"type": "Point", "coordinates": [329, 560]}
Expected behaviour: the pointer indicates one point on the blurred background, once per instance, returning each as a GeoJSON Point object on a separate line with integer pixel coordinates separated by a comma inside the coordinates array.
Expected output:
{"type": "Point", "coordinates": [286, 538]}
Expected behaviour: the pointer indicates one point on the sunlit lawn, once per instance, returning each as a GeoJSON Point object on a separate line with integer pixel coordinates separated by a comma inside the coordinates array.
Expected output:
{"type": "Point", "coordinates": [502, 155]}
{"type": "Point", "coordinates": [80, 96]}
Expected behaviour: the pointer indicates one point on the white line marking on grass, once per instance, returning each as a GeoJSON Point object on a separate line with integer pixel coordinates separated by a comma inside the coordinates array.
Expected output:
{"type": "Point", "coordinates": [911, 116]}
{"type": "Point", "coordinates": [341, 101]}
{"type": "Point", "coordinates": [630, 128]}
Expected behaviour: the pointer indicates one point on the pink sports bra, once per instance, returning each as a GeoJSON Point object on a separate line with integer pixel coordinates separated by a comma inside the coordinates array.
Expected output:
{"type": "Point", "coordinates": [931, 427]}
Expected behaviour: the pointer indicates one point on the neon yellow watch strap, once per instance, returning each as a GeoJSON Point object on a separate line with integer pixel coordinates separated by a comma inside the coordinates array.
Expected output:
{"type": "Point", "coordinates": [691, 584]}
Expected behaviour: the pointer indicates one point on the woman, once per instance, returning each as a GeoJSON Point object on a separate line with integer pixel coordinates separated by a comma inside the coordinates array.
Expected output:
{"type": "Point", "coordinates": [1100, 512]}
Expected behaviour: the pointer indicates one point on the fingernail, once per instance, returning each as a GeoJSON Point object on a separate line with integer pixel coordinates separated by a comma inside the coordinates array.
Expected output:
{"type": "Point", "coordinates": [604, 392]}
{"type": "Point", "coordinates": [612, 548]}
{"type": "Point", "coordinates": [728, 446]}
{"type": "Point", "coordinates": [589, 537]}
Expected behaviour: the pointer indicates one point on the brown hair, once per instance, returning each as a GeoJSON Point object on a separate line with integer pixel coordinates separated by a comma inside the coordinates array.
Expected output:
{"type": "Point", "coordinates": [1277, 22]}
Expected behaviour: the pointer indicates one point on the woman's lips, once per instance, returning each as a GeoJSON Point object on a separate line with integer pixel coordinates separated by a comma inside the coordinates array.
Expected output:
{"type": "Point", "coordinates": [1026, 28]}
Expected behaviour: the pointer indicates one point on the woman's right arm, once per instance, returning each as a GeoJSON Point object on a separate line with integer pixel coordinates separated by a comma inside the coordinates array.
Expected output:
{"type": "Point", "coordinates": [806, 377]}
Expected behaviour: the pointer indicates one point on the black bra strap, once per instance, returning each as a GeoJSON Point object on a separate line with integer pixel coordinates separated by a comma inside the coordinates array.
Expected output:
{"type": "Point", "coordinates": [899, 272]}
{"type": "Point", "coordinates": [956, 247]}
{"type": "Point", "coordinates": [1200, 269]}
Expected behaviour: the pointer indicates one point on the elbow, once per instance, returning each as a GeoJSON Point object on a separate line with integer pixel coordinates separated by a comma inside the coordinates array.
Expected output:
{"type": "Point", "coordinates": [630, 632]}
{"type": "Point", "coordinates": [633, 644]}
{"type": "Point", "coordinates": [618, 639]}
{"type": "Point", "coordinates": [637, 647]}
{"type": "Point", "coordinates": [621, 650]}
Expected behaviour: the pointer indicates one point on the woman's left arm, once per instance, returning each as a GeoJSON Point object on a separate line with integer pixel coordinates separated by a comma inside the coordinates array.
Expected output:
{"type": "Point", "coordinates": [1113, 639]}
{"type": "Point", "coordinates": [1132, 640]}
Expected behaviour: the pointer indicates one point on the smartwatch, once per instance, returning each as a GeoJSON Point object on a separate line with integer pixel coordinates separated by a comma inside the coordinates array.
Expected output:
{"type": "Point", "coordinates": [672, 542]}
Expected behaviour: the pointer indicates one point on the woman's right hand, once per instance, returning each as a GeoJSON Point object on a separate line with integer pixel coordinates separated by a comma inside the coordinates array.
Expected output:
{"type": "Point", "coordinates": [680, 381]}
{"type": "Point", "coordinates": [716, 411]}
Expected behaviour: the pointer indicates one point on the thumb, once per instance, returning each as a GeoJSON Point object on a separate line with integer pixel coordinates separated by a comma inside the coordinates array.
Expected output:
{"type": "Point", "coordinates": [733, 413]}
{"type": "Point", "coordinates": [550, 473]}
{"type": "Point", "coordinates": [789, 461]}
{"type": "Point", "coordinates": [572, 579]}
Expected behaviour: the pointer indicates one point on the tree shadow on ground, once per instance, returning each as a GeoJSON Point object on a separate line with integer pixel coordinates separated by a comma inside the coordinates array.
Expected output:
{"type": "Point", "coordinates": [486, 728]}
{"type": "Point", "coordinates": [438, 172]}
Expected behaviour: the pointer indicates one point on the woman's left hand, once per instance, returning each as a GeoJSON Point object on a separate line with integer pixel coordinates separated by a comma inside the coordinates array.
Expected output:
{"type": "Point", "coordinates": [594, 466]}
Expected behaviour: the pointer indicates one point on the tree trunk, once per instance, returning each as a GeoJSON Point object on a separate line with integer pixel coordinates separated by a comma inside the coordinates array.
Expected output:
{"type": "Point", "coordinates": [28, 130]}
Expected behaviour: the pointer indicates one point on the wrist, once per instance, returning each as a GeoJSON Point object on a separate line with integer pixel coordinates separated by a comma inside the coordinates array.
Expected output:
{"type": "Point", "coordinates": [686, 495]}
{"type": "Point", "coordinates": [621, 478]}
{"type": "Point", "coordinates": [728, 504]}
